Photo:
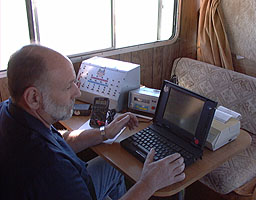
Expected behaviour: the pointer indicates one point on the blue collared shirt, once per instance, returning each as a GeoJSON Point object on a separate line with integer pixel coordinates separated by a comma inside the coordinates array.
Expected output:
{"type": "Point", "coordinates": [35, 161]}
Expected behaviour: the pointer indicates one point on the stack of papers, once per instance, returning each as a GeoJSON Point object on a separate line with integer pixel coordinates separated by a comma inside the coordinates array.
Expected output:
{"type": "Point", "coordinates": [224, 114]}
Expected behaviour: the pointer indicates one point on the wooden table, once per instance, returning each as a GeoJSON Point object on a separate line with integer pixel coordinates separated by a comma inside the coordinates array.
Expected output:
{"type": "Point", "coordinates": [132, 167]}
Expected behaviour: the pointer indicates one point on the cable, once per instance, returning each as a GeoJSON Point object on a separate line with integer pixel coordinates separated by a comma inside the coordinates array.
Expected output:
{"type": "Point", "coordinates": [174, 77]}
{"type": "Point", "coordinates": [111, 115]}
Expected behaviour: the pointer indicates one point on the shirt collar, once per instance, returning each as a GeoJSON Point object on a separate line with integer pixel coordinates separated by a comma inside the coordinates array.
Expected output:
{"type": "Point", "coordinates": [25, 118]}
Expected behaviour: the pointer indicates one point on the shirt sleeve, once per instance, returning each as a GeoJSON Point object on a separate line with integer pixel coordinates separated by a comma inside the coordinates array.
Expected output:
{"type": "Point", "coordinates": [61, 181]}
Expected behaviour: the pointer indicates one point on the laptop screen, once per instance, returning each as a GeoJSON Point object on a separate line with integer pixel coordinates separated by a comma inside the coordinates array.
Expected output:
{"type": "Point", "coordinates": [183, 110]}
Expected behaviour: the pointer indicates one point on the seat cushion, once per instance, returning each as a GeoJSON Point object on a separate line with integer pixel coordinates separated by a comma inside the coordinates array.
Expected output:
{"type": "Point", "coordinates": [237, 92]}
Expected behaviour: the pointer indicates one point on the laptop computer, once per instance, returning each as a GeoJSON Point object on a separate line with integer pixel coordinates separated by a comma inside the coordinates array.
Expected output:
{"type": "Point", "coordinates": [181, 124]}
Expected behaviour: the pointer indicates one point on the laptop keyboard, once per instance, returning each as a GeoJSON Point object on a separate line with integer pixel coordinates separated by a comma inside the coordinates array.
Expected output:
{"type": "Point", "coordinates": [146, 140]}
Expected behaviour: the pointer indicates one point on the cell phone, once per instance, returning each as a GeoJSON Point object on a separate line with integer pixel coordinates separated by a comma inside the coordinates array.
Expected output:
{"type": "Point", "coordinates": [99, 112]}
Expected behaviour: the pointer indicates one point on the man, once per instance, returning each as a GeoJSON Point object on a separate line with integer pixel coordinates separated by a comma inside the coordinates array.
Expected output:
{"type": "Point", "coordinates": [37, 162]}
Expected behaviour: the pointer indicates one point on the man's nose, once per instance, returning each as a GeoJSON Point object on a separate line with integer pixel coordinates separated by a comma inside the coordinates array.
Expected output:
{"type": "Point", "coordinates": [77, 92]}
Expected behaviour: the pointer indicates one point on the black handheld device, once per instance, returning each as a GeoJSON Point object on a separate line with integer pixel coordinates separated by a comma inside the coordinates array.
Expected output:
{"type": "Point", "coordinates": [99, 112]}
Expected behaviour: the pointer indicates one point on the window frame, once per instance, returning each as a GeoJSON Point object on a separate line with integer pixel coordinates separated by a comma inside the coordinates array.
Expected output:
{"type": "Point", "coordinates": [75, 58]}
{"type": "Point", "coordinates": [34, 34]}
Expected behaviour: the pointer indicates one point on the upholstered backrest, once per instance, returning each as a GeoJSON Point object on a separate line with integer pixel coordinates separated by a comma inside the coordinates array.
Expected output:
{"type": "Point", "coordinates": [231, 89]}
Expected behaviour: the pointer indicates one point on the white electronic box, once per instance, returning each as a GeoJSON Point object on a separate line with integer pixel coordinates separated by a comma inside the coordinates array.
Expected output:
{"type": "Point", "coordinates": [144, 99]}
{"type": "Point", "coordinates": [109, 78]}
{"type": "Point", "coordinates": [224, 129]}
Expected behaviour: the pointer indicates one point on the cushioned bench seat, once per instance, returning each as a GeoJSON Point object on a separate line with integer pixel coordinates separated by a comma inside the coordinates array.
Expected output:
{"type": "Point", "coordinates": [235, 91]}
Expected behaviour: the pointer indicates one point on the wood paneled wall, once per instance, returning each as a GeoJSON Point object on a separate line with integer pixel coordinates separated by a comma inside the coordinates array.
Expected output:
{"type": "Point", "coordinates": [156, 63]}
{"type": "Point", "coordinates": [4, 92]}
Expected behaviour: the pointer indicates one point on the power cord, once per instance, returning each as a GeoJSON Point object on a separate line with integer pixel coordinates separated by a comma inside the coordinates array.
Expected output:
{"type": "Point", "coordinates": [174, 78]}
{"type": "Point", "coordinates": [111, 115]}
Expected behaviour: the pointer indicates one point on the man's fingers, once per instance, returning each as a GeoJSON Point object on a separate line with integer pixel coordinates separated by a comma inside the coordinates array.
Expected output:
{"type": "Point", "coordinates": [172, 157]}
{"type": "Point", "coordinates": [126, 119]}
{"type": "Point", "coordinates": [173, 161]}
{"type": "Point", "coordinates": [179, 169]}
{"type": "Point", "coordinates": [177, 163]}
{"type": "Point", "coordinates": [123, 121]}
{"type": "Point", "coordinates": [179, 177]}
{"type": "Point", "coordinates": [134, 120]}
{"type": "Point", "coordinates": [150, 157]}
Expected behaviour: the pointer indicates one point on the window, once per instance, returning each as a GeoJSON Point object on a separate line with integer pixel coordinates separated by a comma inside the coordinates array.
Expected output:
{"type": "Point", "coordinates": [76, 26]}
{"type": "Point", "coordinates": [82, 27]}
{"type": "Point", "coordinates": [136, 24]}
{"type": "Point", "coordinates": [14, 29]}
{"type": "Point", "coordinates": [148, 21]}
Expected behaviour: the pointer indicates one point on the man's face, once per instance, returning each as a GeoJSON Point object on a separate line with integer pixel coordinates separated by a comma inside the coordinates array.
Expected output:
{"type": "Point", "coordinates": [60, 92]}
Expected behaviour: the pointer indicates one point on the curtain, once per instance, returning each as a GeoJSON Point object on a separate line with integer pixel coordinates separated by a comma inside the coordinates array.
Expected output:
{"type": "Point", "coordinates": [212, 42]}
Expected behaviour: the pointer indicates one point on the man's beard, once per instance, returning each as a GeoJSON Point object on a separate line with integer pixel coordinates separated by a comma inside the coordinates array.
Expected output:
{"type": "Point", "coordinates": [57, 112]}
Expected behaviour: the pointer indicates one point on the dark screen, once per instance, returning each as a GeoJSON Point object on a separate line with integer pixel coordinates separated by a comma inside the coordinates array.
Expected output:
{"type": "Point", "coordinates": [183, 110]}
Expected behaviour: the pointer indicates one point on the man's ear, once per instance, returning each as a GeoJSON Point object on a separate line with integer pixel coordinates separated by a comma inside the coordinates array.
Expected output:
{"type": "Point", "coordinates": [32, 97]}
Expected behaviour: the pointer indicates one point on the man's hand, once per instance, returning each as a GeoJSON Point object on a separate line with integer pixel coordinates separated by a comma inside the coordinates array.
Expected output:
{"type": "Point", "coordinates": [126, 119]}
{"type": "Point", "coordinates": [164, 172]}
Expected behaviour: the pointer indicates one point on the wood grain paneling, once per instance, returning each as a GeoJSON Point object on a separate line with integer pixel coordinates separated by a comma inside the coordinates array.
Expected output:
{"type": "Point", "coordinates": [115, 57]}
{"type": "Point", "coordinates": [157, 67]}
{"type": "Point", "coordinates": [171, 52]}
{"type": "Point", "coordinates": [4, 92]}
{"type": "Point", "coordinates": [126, 57]}
{"type": "Point", "coordinates": [77, 66]}
{"type": "Point", "coordinates": [145, 59]}
{"type": "Point", "coordinates": [188, 33]}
